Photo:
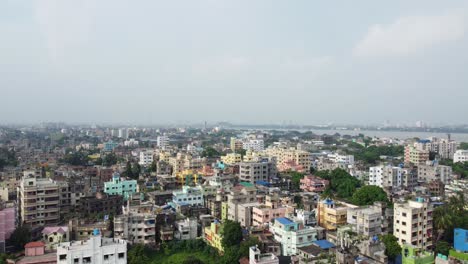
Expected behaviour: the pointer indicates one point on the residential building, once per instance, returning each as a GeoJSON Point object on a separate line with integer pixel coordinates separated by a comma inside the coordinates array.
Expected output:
{"type": "Point", "coordinates": [39, 201]}
{"type": "Point", "coordinates": [416, 156]}
{"type": "Point", "coordinates": [256, 257]}
{"type": "Point", "coordinates": [123, 133]}
{"type": "Point", "coordinates": [292, 235]}
{"type": "Point", "coordinates": [460, 240]}
{"type": "Point", "coordinates": [366, 221]}
{"type": "Point", "coordinates": [120, 186]}
{"type": "Point", "coordinates": [146, 157]}
{"type": "Point", "coordinates": [188, 177]}
{"type": "Point", "coordinates": [414, 255]}
{"type": "Point", "coordinates": [97, 249]}
{"type": "Point", "coordinates": [312, 183]}
{"type": "Point", "coordinates": [131, 143]}
{"type": "Point", "coordinates": [186, 229]}
{"type": "Point", "coordinates": [236, 144]}
{"type": "Point", "coordinates": [254, 144]}
{"type": "Point", "coordinates": [432, 171]}
{"type": "Point", "coordinates": [262, 170]}
{"type": "Point", "coordinates": [162, 141]}
{"type": "Point", "coordinates": [110, 146]}
{"type": "Point", "coordinates": [445, 148]}
{"type": "Point", "coordinates": [135, 226]}
{"type": "Point", "coordinates": [191, 196]}
{"type": "Point", "coordinates": [413, 223]}
{"type": "Point", "coordinates": [265, 213]}
{"type": "Point", "coordinates": [244, 193]}
{"type": "Point", "coordinates": [34, 253]}
{"type": "Point", "coordinates": [212, 235]}
{"type": "Point", "coordinates": [231, 158]}
{"type": "Point", "coordinates": [460, 155]}
{"type": "Point", "coordinates": [342, 159]}
{"type": "Point", "coordinates": [100, 203]}
{"type": "Point", "coordinates": [331, 214]}
{"type": "Point", "coordinates": [7, 224]}
{"type": "Point", "coordinates": [54, 235]}
{"type": "Point", "coordinates": [386, 176]}
{"type": "Point", "coordinates": [290, 158]}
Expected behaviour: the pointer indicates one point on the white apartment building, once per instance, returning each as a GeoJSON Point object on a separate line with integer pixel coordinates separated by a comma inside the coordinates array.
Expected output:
{"type": "Point", "coordinates": [444, 147]}
{"type": "Point", "coordinates": [412, 223]}
{"type": "Point", "coordinates": [162, 141]}
{"type": "Point", "coordinates": [186, 229]}
{"type": "Point", "coordinates": [366, 221]}
{"type": "Point", "coordinates": [343, 159]}
{"type": "Point", "coordinates": [460, 155]}
{"type": "Point", "coordinates": [256, 257]}
{"type": "Point", "coordinates": [123, 133]}
{"type": "Point", "coordinates": [385, 176]}
{"type": "Point", "coordinates": [146, 157]}
{"type": "Point", "coordinates": [131, 143]}
{"type": "Point", "coordinates": [291, 235]}
{"type": "Point", "coordinates": [96, 250]}
{"type": "Point", "coordinates": [254, 144]}
{"type": "Point", "coordinates": [192, 196]}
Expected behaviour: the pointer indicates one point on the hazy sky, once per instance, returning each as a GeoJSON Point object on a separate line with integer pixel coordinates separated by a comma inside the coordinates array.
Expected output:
{"type": "Point", "coordinates": [249, 61]}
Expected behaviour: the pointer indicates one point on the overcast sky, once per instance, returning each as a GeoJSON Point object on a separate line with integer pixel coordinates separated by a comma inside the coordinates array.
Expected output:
{"type": "Point", "coordinates": [249, 61]}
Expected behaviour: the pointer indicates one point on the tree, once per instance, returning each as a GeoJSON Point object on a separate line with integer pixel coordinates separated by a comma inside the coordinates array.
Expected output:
{"type": "Point", "coordinates": [296, 179]}
{"type": "Point", "coordinates": [136, 169]}
{"type": "Point", "coordinates": [109, 160]}
{"type": "Point", "coordinates": [128, 170]}
{"type": "Point", "coordinates": [192, 260]}
{"type": "Point", "coordinates": [443, 220]}
{"type": "Point", "coordinates": [245, 246]}
{"type": "Point", "coordinates": [153, 167]}
{"type": "Point", "coordinates": [20, 237]}
{"type": "Point", "coordinates": [463, 145]}
{"type": "Point", "coordinates": [442, 247]}
{"type": "Point", "coordinates": [232, 234]}
{"type": "Point", "coordinates": [369, 194]}
{"type": "Point", "coordinates": [138, 255]}
{"type": "Point", "coordinates": [392, 248]}
{"type": "Point", "coordinates": [210, 152]}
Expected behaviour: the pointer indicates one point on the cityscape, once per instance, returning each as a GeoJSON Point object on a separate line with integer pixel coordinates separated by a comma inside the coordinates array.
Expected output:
{"type": "Point", "coordinates": [233, 132]}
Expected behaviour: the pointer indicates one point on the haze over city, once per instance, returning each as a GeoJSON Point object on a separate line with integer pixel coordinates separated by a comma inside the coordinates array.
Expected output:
{"type": "Point", "coordinates": [237, 61]}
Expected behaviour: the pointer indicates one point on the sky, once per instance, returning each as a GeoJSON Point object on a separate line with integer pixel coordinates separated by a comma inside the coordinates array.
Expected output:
{"type": "Point", "coordinates": [239, 61]}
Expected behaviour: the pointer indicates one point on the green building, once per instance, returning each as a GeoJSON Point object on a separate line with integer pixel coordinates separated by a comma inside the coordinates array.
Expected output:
{"type": "Point", "coordinates": [412, 255]}
{"type": "Point", "coordinates": [120, 186]}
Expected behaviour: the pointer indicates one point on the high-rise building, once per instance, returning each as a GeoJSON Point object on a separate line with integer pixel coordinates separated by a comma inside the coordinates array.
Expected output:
{"type": "Point", "coordinates": [262, 170]}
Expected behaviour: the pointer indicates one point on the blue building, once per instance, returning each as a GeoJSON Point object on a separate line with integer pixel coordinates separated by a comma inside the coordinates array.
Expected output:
{"type": "Point", "coordinates": [110, 146]}
{"type": "Point", "coordinates": [120, 186]}
{"type": "Point", "coordinates": [460, 240]}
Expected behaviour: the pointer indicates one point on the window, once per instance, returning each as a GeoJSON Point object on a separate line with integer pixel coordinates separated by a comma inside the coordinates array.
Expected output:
{"type": "Point", "coordinates": [106, 257]}
{"type": "Point", "coordinates": [121, 255]}
{"type": "Point", "coordinates": [63, 257]}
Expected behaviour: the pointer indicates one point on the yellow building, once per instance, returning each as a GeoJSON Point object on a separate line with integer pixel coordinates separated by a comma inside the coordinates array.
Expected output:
{"type": "Point", "coordinates": [236, 144]}
{"type": "Point", "coordinates": [231, 158]}
{"type": "Point", "coordinates": [285, 155]}
{"type": "Point", "coordinates": [224, 210]}
{"type": "Point", "coordinates": [331, 215]}
{"type": "Point", "coordinates": [188, 177]}
{"type": "Point", "coordinates": [212, 236]}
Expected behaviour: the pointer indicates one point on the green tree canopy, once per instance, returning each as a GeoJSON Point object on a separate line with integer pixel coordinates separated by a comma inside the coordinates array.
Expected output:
{"type": "Point", "coordinates": [20, 237]}
{"type": "Point", "coordinates": [369, 194]}
{"type": "Point", "coordinates": [232, 234]}
{"type": "Point", "coordinates": [342, 184]}
{"type": "Point", "coordinates": [210, 152]}
{"type": "Point", "coordinates": [392, 248]}
{"type": "Point", "coordinates": [138, 255]}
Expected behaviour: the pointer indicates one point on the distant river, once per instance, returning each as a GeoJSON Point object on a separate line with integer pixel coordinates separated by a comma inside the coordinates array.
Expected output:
{"type": "Point", "coordinates": [461, 137]}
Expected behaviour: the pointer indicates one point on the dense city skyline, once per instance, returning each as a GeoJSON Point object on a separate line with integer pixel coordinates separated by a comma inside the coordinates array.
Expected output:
{"type": "Point", "coordinates": [237, 61]}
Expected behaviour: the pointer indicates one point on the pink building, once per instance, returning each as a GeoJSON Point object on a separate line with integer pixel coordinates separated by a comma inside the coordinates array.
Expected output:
{"type": "Point", "coordinates": [272, 209]}
{"type": "Point", "coordinates": [7, 225]}
{"type": "Point", "coordinates": [290, 165]}
{"type": "Point", "coordinates": [34, 253]}
{"type": "Point", "coordinates": [312, 183]}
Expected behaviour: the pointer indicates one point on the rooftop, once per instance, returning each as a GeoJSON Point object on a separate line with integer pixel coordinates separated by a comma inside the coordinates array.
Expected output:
{"type": "Point", "coordinates": [324, 244]}
{"type": "Point", "coordinates": [284, 221]}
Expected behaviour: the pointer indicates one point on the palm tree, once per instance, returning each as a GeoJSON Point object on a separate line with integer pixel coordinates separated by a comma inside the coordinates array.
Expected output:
{"type": "Point", "coordinates": [443, 220]}
{"type": "Point", "coordinates": [457, 203]}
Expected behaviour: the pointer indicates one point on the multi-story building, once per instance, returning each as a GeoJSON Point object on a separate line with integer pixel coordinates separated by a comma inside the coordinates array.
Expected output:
{"type": "Point", "coordinates": [445, 148]}
{"type": "Point", "coordinates": [244, 193]}
{"type": "Point", "coordinates": [416, 156]}
{"type": "Point", "coordinates": [290, 158]}
{"type": "Point", "coordinates": [120, 186]}
{"type": "Point", "coordinates": [366, 221]}
{"type": "Point", "coordinates": [192, 196]}
{"type": "Point", "coordinates": [183, 162]}
{"type": "Point", "coordinates": [135, 227]}
{"type": "Point", "coordinates": [110, 146]}
{"type": "Point", "coordinates": [414, 255]}
{"type": "Point", "coordinates": [432, 171]}
{"type": "Point", "coordinates": [312, 183]}
{"type": "Point", "coordinates": [460, 155]}
{"type": "Point", "coordinates": [291, 235]}
{"type": "Point", "coordinates": [254, 144]}
{"type": "Point", "coordinates": [342, 159]}
{"type": "Point", "coordinates": [39, 201]}
{"type": "Point", "coordinates": [256, 257]}
{"type": "Point", "coordinates": [262, 170]}
{"type": "Point", "coordinates": [53, 235]}
{"type": "Point", "coordinates": [162, 141]}
{"type": "Point", "coordinates": [331, 215]}
{"type": "Point", "coordinates": [97, 249]}
{"type": "Point", "coordinates": [264, 214]}
{"type": "Point", "coordinates": [236, 144]}
{"type": "Point", "coordinates": [123, 133]}
{"type": "Point", "coordinates": [212, 235]}
{"type": "Point", "coordinates": [146, 157]}
{"type": "Point", "coordinates": [101, 203]}
{"type": "Point", "coordinates": [188, 177]}
{"type": "Point", "coordinates": [231, 158]}
{"type": "Point", "coordinates": [186, 229]}
{"type": "Point", "coordinates": [413, 223]}
{"type": "Point", "coordinates": [385, 176]}
{"type": "Point", "coordinates": [7, 224]}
